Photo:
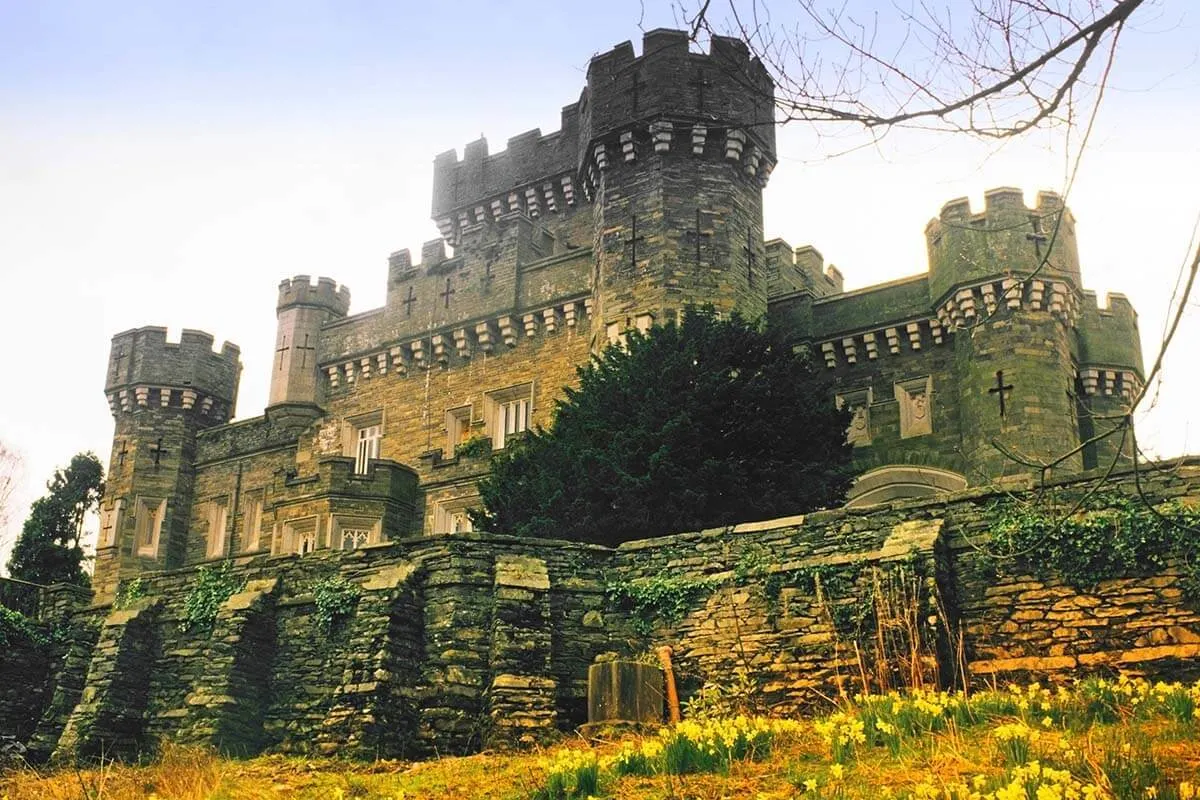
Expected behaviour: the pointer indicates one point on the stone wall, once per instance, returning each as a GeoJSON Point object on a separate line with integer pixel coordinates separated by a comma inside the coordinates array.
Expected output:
{"type": "Point", "coordinates": [457, 642]}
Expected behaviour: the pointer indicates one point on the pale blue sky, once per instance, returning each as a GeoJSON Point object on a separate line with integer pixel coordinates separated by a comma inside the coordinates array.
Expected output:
{"type": "Point", "coordinates": [168, 163]}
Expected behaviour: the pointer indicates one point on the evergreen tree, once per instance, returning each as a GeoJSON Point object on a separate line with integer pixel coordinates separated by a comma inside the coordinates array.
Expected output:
{"type": "Point", "coordinates": [708, 422]}
{"type": "Point", "coordinates": [49, 548]}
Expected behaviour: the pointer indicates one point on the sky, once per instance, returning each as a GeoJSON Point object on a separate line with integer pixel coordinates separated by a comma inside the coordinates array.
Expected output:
{"type": "Point", "coordinates": [169, 163]}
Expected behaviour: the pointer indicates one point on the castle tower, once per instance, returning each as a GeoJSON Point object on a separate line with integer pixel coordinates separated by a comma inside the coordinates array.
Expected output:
{"type": "Point", "coordinates": [301, 311]}
{"type": "Point", "coordinates": [161, 394]}
{"type": "Point", "coordinates": [1006, 281]}
{"type": "Point", "coordinates": [1110, 376]}
{"type": "Point", "coordinates": [675, 148]}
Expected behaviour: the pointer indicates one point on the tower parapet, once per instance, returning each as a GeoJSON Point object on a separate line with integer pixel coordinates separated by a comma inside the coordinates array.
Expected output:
{"type": "Point", "coordinates": [724, 87]}
{"type": "Point", "coordinates": [301, 312]}
{"type": "Point", "coordinates": [1006, 239]}
{"type": "Point", "coordinates": [145, 370]}
{"type": "Point", "coordinates": [326, 295]}
{"type": "Point", "coordinates": [479, 186]}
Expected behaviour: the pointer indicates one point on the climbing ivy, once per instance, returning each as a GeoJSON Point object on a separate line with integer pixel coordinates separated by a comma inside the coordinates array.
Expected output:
{"type": "Point", "coordinates": [16, 627]}
{"type": "Point", "coordinates": [1109, 536]}
{"type": "Point", "coordinates": [128, 591]}
{"type": "Point", "coordinates": [335, 599]}
{"type": "Point", "coordinates": [661, 597]}
{"type": "Point", "coordinates": [213, 586]}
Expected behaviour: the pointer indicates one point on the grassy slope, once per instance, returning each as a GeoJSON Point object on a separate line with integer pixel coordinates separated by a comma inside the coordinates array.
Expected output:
{"type": "Point", "coordinates": [1145, 744]}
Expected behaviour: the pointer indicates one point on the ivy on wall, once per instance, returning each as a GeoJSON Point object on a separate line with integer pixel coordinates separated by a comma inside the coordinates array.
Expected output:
{"type": "Point", "coordinates": [213, 586]}
{"type": "Point", "coordinates": [335, 600]}
{"type": "Point", "coordinates": [128, 591]}
{"type": "Point", "coordinates": [1109, 536]}
{"type": "Point", "coordinates": [661, 597]}
{"type": "Point", "coordinates": [15, 627]}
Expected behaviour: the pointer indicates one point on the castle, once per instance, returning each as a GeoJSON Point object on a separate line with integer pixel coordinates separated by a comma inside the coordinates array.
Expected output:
{"type": "Point", "coordinates": [646, 201]}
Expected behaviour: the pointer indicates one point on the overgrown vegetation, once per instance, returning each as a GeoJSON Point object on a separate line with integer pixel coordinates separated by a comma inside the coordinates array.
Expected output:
{"type": "Point", "coordinates": [1109, 536]}
{"type": "Point", "coordinates": [1097, 739]}
{"type": "Point", "coordinates": [690, 426]}
{"type": "Point", "coordinates": [212, 587]}
{"type": "Point", "coordinates": [335, 599]}
{"type": "Point", "coordinates": [129, 590]}
{"type": "Point", "coordinates": [15, 628]}
{"type": "Point", "coordinates": [474, 447]}
{"type": "Point", "coordinates": [662, 598]}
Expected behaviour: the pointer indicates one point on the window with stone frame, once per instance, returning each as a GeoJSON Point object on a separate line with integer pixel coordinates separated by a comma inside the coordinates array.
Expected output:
{"type": "Point", "coordinates": [458, 428]}
{"type": "Point", "coordinates": [364, 437]}
{"type": "Point", "coordinates": [451, 518]}
{"type": "Point", "coordinates": [351, 533]}
{"type": "Point", "coordinates": [252, 521]}
{"type": "Point", "coordinates": [149, 514]}
{"type": "Point", "coordinates": [218, 517]}
{"type": "Point", "coordinates": [299, 536]}
{"type": "Point", "coordinates": [110, 523]}
{"type": "Point", "coordinates": [509, 412]}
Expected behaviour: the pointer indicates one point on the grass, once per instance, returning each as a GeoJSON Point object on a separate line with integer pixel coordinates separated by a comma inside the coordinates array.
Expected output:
{"type": "Point", "coordinates": [1095, 740]}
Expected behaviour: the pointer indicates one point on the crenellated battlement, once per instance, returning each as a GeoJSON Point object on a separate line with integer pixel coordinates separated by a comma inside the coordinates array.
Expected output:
{"type": "Point", "coordinates": [1108, 340]}
{"type": "Point", "coordinates": [1006, 238]}
{"type": "Point", "coordinates": [724, 86]}
{"type": "Point", "coordinates": [668, 100]}
{"type": "Point", "coordinates": [145, 370]}
{"type": "Point", "coordinates": [327, 294]}
{"type": "Point", "coordinates": [801, 270]}
{"type": "Point", "coordinates": [529, 158]}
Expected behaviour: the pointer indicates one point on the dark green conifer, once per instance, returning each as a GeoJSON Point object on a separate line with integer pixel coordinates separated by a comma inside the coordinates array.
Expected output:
{"type": "Point", "coordinates": [708, 422]}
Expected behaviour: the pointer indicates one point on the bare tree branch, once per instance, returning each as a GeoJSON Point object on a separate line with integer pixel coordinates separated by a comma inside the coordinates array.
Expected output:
{"type": "Point", "coordinates": [1018, 64]}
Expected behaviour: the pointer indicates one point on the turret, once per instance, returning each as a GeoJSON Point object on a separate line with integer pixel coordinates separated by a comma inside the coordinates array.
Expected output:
{"type": "Point", "coordinates": [1007, 282]}
{"type": "Point", "coordinates": [660, 165]}
{"type": "Point", "coordinates": [1110, 374]}
{"type": "Point", "coordinates": [161, 394]}
{"type": "Point", "coordinates": [675, 149]}
{"type": "Point", "coordinates": [1007, 239]}
{"type": "Point", "coordinates": [301, 312]}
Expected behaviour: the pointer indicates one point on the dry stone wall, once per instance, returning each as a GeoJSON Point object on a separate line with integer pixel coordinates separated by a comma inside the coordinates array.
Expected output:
{"type": "Point", "coordinates": [454, 642]}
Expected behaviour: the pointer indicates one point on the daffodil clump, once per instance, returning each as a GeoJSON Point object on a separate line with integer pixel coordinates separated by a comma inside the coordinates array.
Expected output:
{"type": "Point", "coordinates": [1032, 781]}
{"type": "Point", "coordinates": [633, 758]}
{"type": "Point", "coordinates": [1014, 741]}
{"type": "Point", "coordinates": [888, 717]}
{"type": "Point", "coordinates": [711, 745]}
{"type": "Point", "coordinates": [691, 746]}
{"type": "Point", "coordinates": [571, 774]}
{"type": "Point", "coordinates": [843, 733]}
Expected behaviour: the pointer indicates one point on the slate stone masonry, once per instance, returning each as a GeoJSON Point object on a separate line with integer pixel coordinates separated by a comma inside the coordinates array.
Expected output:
{"type": "Point", "coordinates": [460, 642]}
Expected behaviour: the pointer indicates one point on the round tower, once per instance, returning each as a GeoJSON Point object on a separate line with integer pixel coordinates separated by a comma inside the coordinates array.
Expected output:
{"type": "Point", "coordinates": [675, 148]}
{"type": "Point", "coordinates": [1111, 376]}
{"type": "Point", "coordinates": [1006, 282]}
{"type": "Point", "coordinates": [301, 312]}
{"type": "Point", "coordinates": [161, 395]}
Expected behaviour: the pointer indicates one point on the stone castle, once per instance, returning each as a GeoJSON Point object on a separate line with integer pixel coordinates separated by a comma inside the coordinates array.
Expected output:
{"type": "Point", "coordinates": [379, 424]}
{"type": "Point", "coordinates": [646, 201]}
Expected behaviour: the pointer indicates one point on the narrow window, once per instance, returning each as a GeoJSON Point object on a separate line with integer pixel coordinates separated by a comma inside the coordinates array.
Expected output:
{"type": "Point", "coordinates": [150, 513]}
{"type": "Point", "coordinates": [512, 416]}
{"type": "Point", "coordinates": [354, 538]}
{"type": "Point", "coordinates": [252, 522]}
{"type": "Point", "coordinates": [218, 511]}
{"type": "Point", "coordinates": [458, 427]}
{"type": "Point", "coordinates": [367, 447]}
